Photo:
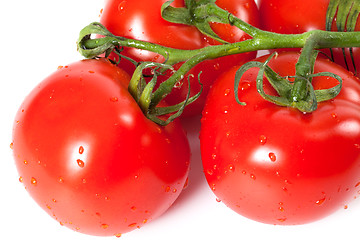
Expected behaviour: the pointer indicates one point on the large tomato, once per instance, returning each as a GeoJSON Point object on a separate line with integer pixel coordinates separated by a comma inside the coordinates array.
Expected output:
{"type": "Point", "coordinates": [88, 156]}
{"type": "Point", "coordinates": [298, 16]}
{"type": "Point", "coordinates": [142, 20]}
{"type": "Point", "coordinates": [275, 164]}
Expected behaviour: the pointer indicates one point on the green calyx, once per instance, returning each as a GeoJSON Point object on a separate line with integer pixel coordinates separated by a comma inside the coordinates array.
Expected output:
{"type": "Point", "coordinates": [143, 89]}
{"type": "Point", "coordinates": [298, 94]}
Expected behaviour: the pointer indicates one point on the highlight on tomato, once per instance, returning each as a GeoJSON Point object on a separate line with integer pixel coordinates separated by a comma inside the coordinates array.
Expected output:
{"type": "Point", "coordinates": [275, 164]}
{"type": "Point", "coordinates": [90, 158]}
{"type": "Point", "coordinates": [142, 20]}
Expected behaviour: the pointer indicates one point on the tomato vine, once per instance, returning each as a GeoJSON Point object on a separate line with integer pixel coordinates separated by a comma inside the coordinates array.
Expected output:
{"type": "Point", "coordinates": [199, 14]}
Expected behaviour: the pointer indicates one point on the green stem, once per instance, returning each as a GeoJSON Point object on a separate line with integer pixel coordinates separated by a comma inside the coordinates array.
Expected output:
{"type": "Point", "coordinates": [261, 40]}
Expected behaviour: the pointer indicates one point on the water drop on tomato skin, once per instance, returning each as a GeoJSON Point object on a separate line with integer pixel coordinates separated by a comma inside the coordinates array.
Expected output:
{"type": "Point", "coordinates": [81, 150]}
{"type": "Point", "coordinates": [282, 219]}
{"type": "Point", "coordinates": [262, 139]}
{"type": "Point", "coordinates": [227, 92]}
{"type": "Point", "coordinates": [320, 201]}
{"type": "Point", "coordinates": [33, 181]}
{"type": "Point", "coordinates": [104, 226]}
{"type": "Point", "coordinates": [114, 99]}
{"type": "Point", "coordinates": [244, 86]}
{"type": "Point", "coordinates": [80, 163]}
{"type": "Point", "coordinates": [272, 157]}
{"type": "Point", "coordinates": [132, 225]}
{"type": "Point", "coordinates": [231, 168]}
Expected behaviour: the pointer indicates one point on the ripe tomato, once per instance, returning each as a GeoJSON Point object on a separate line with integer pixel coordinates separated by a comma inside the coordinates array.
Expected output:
{"type": "Point", "coordinates": [298, 16]}
{"type": "Point", "coordinates": [142, 20]}
{"type": "Point", "coordinates": [89, 157]}
{"type": "Point", "coordinates": [275, 164]}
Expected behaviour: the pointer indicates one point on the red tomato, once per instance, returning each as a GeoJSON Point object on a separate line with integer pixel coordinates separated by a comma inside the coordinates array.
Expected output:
{"type": "Point", "coordinates": [142, 20]}
{"type": "Point", "coordinates": [298, 16]}
{"type": "Point", "coordinates": [89, 157]}
{"type": "Point", "coordinates": [275, 164]}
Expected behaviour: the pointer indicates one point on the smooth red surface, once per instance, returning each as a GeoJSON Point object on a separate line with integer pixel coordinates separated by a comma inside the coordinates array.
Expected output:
{"type": "Point", "coordinates": [275, 164]}
{"type": "Point", "coordinates": [88, 156]}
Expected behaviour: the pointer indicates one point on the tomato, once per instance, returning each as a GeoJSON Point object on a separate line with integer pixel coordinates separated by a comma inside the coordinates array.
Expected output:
{"type": "Point", "coordinates": [298, 16]}
{"type": "Point", "coordinates": [275, 164]}
{"type": "Point", "coordinates": [88, 156]}
{"type": "Point", "coordinates": [142, 20]}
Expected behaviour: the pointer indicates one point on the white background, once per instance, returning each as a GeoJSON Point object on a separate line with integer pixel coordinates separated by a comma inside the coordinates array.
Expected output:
{"type": "Point", "coordinates": [39, 35]}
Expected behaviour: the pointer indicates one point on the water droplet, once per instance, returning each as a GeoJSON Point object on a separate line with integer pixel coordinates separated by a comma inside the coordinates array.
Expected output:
{"type": "Point", "coordinates": [252, 176]}
{"type": "Point", "coordinates": [281, 219]}
{"type": "Point", "coordinates": [227, 92]}
{"type": "Point", "coordinates": [262, 139]}
{"type": "Point", "coordinates": [281, 209]}
{"type": "Point", "coordinates": [213, 156]}
{"type": "Point", "coordinates": [104, 226]}
{"type": "Point", "coordinates": [145, 221]}
{"type": "Point", "coordinates": [118, 235]}
{"type": "Point", "coordinates": [244, 85]}
{"type": "Point", "coordinates": [217, 66]}
{"type": "Point", "coordinates": [132, 225]}
{"type": "Point", "coordinates": [114, 99]}
{"type": "Point", "coordinates": [243, 172]}
{"type": "Point", "coordinates": [133, 208]}
{"type": "Point", "coordinates": [320, 201]}
{"type": "Point", "coordinates": [231, 168]}
{"type": "Point", "coordinates": [167, 189]}
{"type": "Point", "coordinates": [81, 149]}
{"type": "Point", "coordinates": [80, 163]}
{"type": "Point", "coordinates": [83, 180]}
{"type": "Point", "coordinates": [26, 162]}
{"type": "Point", "coordinates": [272, 156]}
{"type": "Point", "coordinates": [186, 183]}
{"type": "Point", "coordinates": [346, 207]}
{"type": "Point", "coordinates": [121, 5]}
{"type": "Point", "coordinates": [333, 115]}
{"type": "Point", "coordinates": [33, 181]}
{"type": "Point", "coordinates": [12, 145]}
{"type": "Point", "coordinates": [21, 179]}
{"type": "Point", "coordinates": [357, 185]}
{"type": "Point", "coordinates": [218, 200]}
{"type": "Point", "coordinates": [174, 190]}
{"type": "Point", "coordinates": [61, 180]}
{"type": "Point", "coordinates": [210, 172]}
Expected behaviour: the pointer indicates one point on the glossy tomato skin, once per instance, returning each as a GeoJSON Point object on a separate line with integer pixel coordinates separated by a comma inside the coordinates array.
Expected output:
{"type": "Point", "coordinates": [88, 156]}
{"type": "Point", "coordinates": [298, 16]}
{"type": "Point", "coordinates": [274, 164]}
{"type": "Point", "coordinates": [142, 20]}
